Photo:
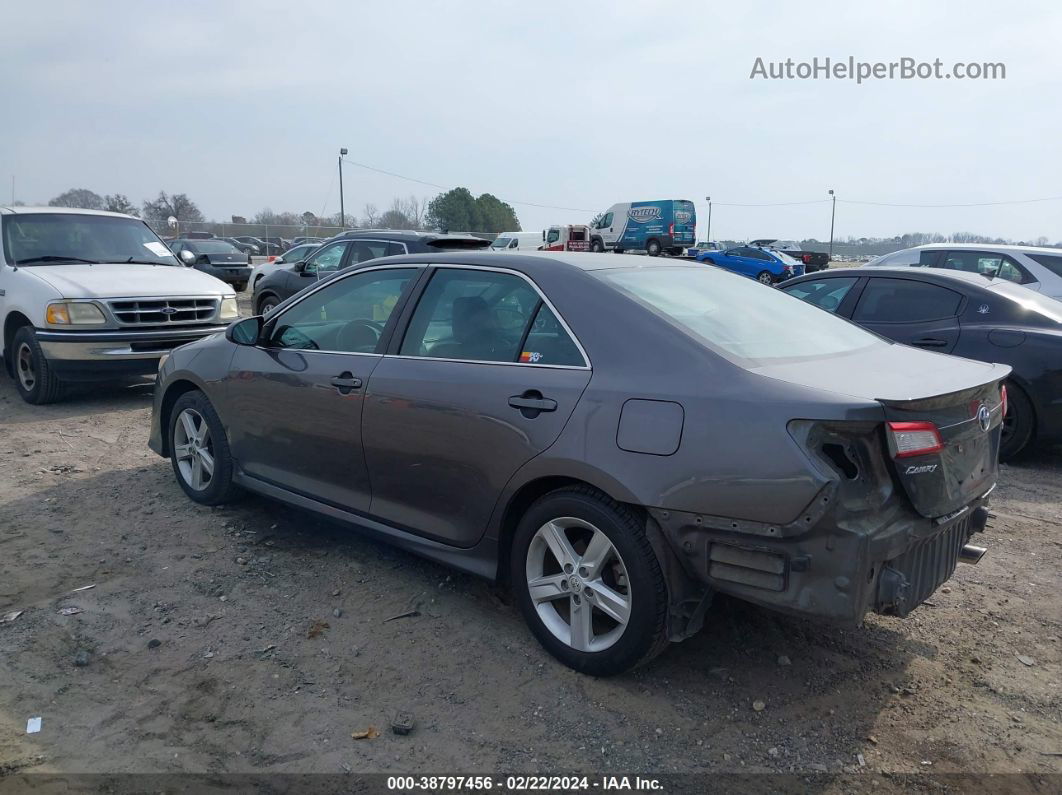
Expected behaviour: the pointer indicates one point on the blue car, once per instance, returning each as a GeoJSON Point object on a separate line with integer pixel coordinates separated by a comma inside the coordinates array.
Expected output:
{"type": "Point", "coordinates": [762, 264]}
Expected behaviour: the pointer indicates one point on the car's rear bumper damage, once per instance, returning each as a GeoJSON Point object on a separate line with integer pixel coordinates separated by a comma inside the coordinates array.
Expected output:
{"type": "Point", "coordinates": [818, 567]}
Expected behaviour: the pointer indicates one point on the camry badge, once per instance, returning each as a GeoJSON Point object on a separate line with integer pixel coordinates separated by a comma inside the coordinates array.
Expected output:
{"type": "Point", "coordinates": [984, 417]}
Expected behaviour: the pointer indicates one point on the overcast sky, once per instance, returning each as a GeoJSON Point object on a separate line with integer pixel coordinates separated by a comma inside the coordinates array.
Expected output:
{"type": "Point", "coordinates": [243, 105]}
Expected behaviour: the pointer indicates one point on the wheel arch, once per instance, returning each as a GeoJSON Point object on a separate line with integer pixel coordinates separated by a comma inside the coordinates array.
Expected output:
{"type": "Point", "coordinates": [173, 393]}
{"type": "Point", "coordinates": [12, 323]}
{"type": "Point", "coordinates": [524, 496]}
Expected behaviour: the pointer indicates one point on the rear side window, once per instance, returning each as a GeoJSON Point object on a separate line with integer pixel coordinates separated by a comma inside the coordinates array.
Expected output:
{"type": "Point", "coordinates": [485, 316]}
{"type": "Point", "coordinates": [825, 293]}
{"type": "Point", "coordinates": [905, 301]}
{"type": "Point", "coordinates": [984, 263]}
{"type": "Point", "coordinates": [1053, 262]}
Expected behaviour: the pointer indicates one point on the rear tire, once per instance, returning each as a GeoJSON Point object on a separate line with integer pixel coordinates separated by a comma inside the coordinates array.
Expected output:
{"type": "Point", "coordinates": [652, 248]}
{"type": "Point", "coordinates": [1018, 425]}
{"type": "Point", "coordinates": [240, 287]}
{"type": "Point", "coordinates": [765, 277]}
{"type": "Point", "coordinates": [35, 380]}
{"type": "Point", "coordinates": [199, 450]}
{"type": "Point", "coordinates": [610, 578]}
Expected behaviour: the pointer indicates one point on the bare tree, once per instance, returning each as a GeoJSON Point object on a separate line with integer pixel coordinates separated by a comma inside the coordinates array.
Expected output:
{"type": "Point", "coordinates": [372, 215]}
{"type": "Point", "coordinates": [415, 210]}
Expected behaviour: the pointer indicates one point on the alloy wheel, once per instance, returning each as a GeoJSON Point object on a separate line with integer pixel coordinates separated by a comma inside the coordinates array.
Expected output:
{"type": "Point", "coordinates": [578, 584]}
{"type": "Point", "coordinates": [27, 374]}
{"type": "Point", "coordinates": [193, 449]}
{"type": "Point", "coordinates": [765, 278]}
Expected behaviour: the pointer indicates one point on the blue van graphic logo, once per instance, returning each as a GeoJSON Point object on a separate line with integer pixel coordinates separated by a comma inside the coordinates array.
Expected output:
{"type": "Point", "coordinates": [683, 216]}
{"type": "Point", "coordinates": [643, 215]}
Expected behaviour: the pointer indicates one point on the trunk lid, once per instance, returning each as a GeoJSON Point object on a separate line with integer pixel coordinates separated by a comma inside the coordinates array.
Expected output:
{"type": "Point", "coordinates": [969, 423]}
{"type": "Point", "coordinates": [912, 385]}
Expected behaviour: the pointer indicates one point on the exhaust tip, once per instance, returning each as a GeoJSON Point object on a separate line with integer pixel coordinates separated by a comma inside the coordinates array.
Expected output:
{"type": "Point", "coordinates": [971, 554]}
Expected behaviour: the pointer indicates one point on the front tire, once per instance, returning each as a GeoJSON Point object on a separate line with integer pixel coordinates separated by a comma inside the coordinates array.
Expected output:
{"type": "Point", "coordinates": [266, 304]}
{"type": "Point", "coordinates": [588, 582]}
{"type": "Point", "coordinates": [199, 451]}
{"type": "Point", "coordinates": [35, 380]}
{"type": "Point", "coordinates": [1019, 423]}
{"type": "Point", "coordinates": [596, 245]}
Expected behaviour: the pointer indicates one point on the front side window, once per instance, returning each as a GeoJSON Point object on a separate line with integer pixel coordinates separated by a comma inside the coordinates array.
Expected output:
{"type": "Point", "coordinates": [905, 301]}
{"type": "Point", "coordinates": [327, 259]}
{"type": "Point", "coordinates": [982, 262]}
{"type": "Point", "coordinates": [736, 317]}
{"type": "Point", "coordinates": [347, 316]}
{"type": "Point", "coordinates": [824, 293]}
{"type": "Point", "coordinates": [486, 316]}
{"type": "Point", "coordinates": [607, 220]}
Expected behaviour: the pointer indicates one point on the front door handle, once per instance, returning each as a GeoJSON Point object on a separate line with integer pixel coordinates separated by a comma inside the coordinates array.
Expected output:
{"type": "Point", "coordinates": [531, 403]}
{"type": "Point", "coordinates": [930, 342]}
{"type": "Point", "coordinates": [346, 382]}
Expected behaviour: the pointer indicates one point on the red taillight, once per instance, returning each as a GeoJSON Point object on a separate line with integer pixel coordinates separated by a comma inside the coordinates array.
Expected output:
{"type": "Point", "coordinates": [671, 230]}
{"type": "Point", "coordinates": [915, 438]}
{"type": "Point", "coordinates": [1003, 397]}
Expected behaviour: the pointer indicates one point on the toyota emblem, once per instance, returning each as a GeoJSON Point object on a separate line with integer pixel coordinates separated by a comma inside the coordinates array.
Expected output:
{"type": "Point", "coordinates": [984, 417]}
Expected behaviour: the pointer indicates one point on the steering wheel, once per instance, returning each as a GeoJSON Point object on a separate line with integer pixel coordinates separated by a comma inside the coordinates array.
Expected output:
{"type": "Point", "coordinates": [357, 335]}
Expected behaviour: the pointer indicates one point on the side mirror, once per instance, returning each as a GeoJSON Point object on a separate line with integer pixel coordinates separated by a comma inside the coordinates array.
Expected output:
{"type": "Point", "coordinates": [187, 257]}
{"type": "Point", "coordinates": [303, 269]}
{"type": "Point", "coordinates": [245, 332]}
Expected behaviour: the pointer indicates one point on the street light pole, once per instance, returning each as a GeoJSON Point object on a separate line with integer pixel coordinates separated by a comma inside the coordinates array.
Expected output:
{"type": "Point", "coordinates": [342, 208]}
{"type": "Point", "coordinates": [833, 212]}
{"type": "Point", "coordinates": [708, 237]}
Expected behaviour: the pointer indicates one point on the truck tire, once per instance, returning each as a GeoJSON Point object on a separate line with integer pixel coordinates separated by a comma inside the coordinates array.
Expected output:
{"type": "Point", "coordinates": [652, 247]}
{"type": "Point", "coordinates": [35, 380]}
{"type": "Point", "coordinates": [596, 245]}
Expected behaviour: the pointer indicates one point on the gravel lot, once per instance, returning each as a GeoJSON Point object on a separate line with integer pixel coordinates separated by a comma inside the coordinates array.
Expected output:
{"type": "Point", "coordinates": [254, 638]}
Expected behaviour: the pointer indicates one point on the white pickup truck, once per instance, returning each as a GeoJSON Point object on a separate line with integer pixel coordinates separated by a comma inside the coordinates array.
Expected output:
{"type": "Point", "coordinates": [88, 295]}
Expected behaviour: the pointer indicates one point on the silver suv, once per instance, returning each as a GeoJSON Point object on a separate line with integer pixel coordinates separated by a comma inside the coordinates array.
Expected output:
{"type": "Point", "coordinates": [1038, 269]}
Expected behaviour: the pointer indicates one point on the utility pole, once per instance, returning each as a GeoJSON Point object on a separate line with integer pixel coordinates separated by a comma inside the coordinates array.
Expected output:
{"type": "Point", "coordinates": [342, 208]}
{"type": "Point", "coordinates": [833, 212]}
{"type": "Point", "coordinates": [708, 237]}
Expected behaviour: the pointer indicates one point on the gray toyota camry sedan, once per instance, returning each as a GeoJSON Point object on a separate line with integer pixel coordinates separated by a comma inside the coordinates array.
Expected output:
{"type": "Point", "coordinates": [621, 438]}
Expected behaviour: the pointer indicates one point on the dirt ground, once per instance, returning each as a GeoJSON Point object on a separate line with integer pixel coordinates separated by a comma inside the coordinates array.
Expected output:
{"type": "Point", "coordinates": [255, 638]}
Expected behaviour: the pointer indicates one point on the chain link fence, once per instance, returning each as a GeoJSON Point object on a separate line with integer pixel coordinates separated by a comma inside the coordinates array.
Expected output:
{"type": "Point", "coordinates": [270, 233]}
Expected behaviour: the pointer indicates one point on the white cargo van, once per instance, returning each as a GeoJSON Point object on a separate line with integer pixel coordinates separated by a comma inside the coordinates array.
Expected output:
{"type": "Point", "coordinates": [517, 241]}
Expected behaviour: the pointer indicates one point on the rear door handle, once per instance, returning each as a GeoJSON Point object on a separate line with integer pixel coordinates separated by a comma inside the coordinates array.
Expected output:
{"type": "Point", "coordinates": [930, 342]}
{"type": "Point", "coordinates": [531, 403]}
{"type": "Point", "coordinates": [345, 383]}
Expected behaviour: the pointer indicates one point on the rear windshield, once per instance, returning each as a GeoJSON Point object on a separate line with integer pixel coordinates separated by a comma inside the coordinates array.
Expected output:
{"type": "Point", "coordinates": [738, 317]}
{"type": "Point", "coordinates": [213, 247]}
{"type": "Point", "coordinates": [1053, 262]}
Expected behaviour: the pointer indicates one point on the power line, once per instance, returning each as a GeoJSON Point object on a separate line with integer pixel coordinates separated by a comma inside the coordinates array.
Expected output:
{"type": "Point", "coordinates": [718, 203]}
{"type": "Point", "coordinates": [968, 204]}
{"type": "Point", "coordinates": [447, 187]}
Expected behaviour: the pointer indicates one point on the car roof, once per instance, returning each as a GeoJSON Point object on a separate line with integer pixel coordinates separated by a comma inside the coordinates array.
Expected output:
{"type": "Point", "coordinates": [407, 234]}
{"type": "Point", "coordinates": [23, 210]}
{"type": "Point", "coordinates": [554, 260]}
{"type": "Point", "coordinates": [988, 247]}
